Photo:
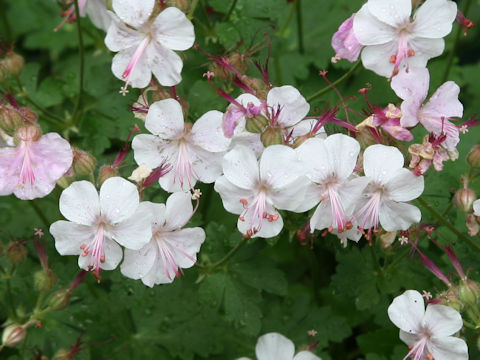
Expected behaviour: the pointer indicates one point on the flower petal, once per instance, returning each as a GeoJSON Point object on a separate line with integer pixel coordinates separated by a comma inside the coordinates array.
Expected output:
{"type": "Point", "coordinates": [121, 37]}
{"type": "Point", "coordinates": [137, 263]}
{"type": "Point", "coordinates": [240, 167]}
{"type": "Point", "coordinates": [147, 150]}
{"type": "Point", "coordinates": [279, 166]}
{"type": "Point", "coordinates": [476, 207]}
{"type": "Point", "coordinates": [292, 105]}
{"type": "Point", "coordinates": [178, 211]}
{"type": "Point", "coordinates": [173, 30]}
{"type": "Point", "coordinates": [434, 19]}
{"type": "Point", "coordinates": [306, 355]}
{"type": "Point", "coordinates": [165, 64]}
{"type": "Point", "coordinates": [134, 13]}
{"type": "Point", "coordinates": [165, 119]}
{"type": "Point", "coordinates": [412, 85]}
{"type": "Point", "coordinates": [343, 151]}
{"type": "Point", "coordinates": [395, 13]}
{"type": "Point", "coordinates": [207, 132]}
{"type": "Point", "coordinates": [407, 310]}
{"type": "Point", "coordinates": [371, 31]}
{"type": "Point", "coordinates": [398, 216]}
{"type": "Point", "coordinates": [207, 166]}
{"type": "Point", "coordinates": [274, 346]}
{"type": "Point", "coordinates": [231, 195]}
{"type": "Point", "coordinates": [446, 348]}
{"type": "Point", "coordinates": [70, 236]}
{"type": "Point", "coordinates": [140, 75]}
{"type": "Point", "coordinates": [444, 102]}
{"type": "Point", "coordinates": [119, 199]}
{"type": "Point", "coordinates": [404, 186]}
{"type": "Point", "coordinates": [377, 58]}
{"type": "Point", "coordinates": [79, 203]}
{"type": "Point", "coordinates": [113, 254]}
{"type": "Point", "coordinates": [442, 320]}
{"type": "Point", "coordinates": [186, 244]}
{"type": "Point", "coordinates": [380, 162]}
{"type": "Point", "coordinates": [134, 231]}
{"type": "Point", "coordinates": [424, 50]}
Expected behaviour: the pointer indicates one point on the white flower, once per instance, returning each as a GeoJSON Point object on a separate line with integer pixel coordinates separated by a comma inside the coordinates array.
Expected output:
{"type": "Point", "coordinates": [171, 248]}
{"type": "Point", "coordinates": [195, 152]}
{"type": "Point", "coordinates": [275, 346]}
{"type": "Point", "coordinates": [145, 45]}
{"type": "Point", "coordinates": [329, 164]}
{"type": "Point", "coordinates": [427, 331]}
{"type": "Point", "coordinates": [255, 189]}
{"type": "Point", "coordinates": [97, 11]}
{"type": "Point", "coordinates": [98, 223]}
{"type": "Point", "coordinates": [392, 39]}
{"type": "Point", "coordinates": [391, 185]}
{"type": "Point", "coordinates": [476, 207]}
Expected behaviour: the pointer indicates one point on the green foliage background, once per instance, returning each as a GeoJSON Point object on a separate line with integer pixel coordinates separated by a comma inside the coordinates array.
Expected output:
{"type": "Point", "coordinates": [274, 285]}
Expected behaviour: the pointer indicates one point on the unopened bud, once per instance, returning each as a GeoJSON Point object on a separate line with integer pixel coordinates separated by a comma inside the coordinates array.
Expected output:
{"type": "Point", "coordinates": [28, 115]}
{"type": "Point", "coordinates": [13, 335]}
{"type": "Point", "coordinates": [464, 199]}
{"type": "Point", "coordinates": [12, 64]}
{"type": "Point", "coordinates": [469, 292]}
{"type": "Point", "coordinates": [10, 119]}
{"type": "Point", "coordinates": [44, 280]}
{"type": "Point", "coordinates": [106, 172]}
{"type": "Point", "coordinates": [16, 252]}
{"type": "Point", "coordinates": [301, 139]}
{"type": "Point", "coordinates": [473, 157]}
{"type": "Point", "coordinates": [65, 181]}
{"type": "Point", "coordinates": [256, 124]}
{"type": "Point", "coordinates": [183, 5]}
{"type": "Point", "coordinates": [59, 299]}
{"type": "Point", "coordinates": [160, 94]}
{"type": "Point", "coordinates": [27, 133]}
{"type": "Point", "coordinates": [271, 136]}
{"type": "Point", "coordinates": [63, 354]}
{"type": "Point", "coordinates": [239, 62]}
{"type": "Point", "coordinates": [450, 298]}
{"type": "Point", "coordinates": [83, 162]}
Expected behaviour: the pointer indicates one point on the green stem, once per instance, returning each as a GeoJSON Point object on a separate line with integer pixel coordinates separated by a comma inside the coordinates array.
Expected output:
{"type": "Point", "coordinates": [230, 10]}
{"type": "Point", "coordinates": [397, 260]}
{"type": "Point", "coordinates": [281, 32]}
{"type": "Point", "coordinates": [335, 83]}
{"type": "Point", "coordinates": [469, 325]}
{"type": "Point", "coordinates": [10, 299]}
{"type": "Point", "coordinates": [39, 213]}
{"type": "Point", "coordinates": [448, 224]}
{"type": "Point", "coordinates": [228, 255]}
{"type": "Point", "coordinates": [192, 9]}
{"type": "Point", "coordinates": [301, 46]}
{"type": "Point", "coordinates": [81, 52]}
{"type": "Point", "coordinates": [452, 52]}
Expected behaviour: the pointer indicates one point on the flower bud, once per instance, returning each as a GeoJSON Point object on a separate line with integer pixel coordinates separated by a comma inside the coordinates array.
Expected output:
{"type": "Point", "coordinates": [449, 298]}
{"type": "Point", "coordinates": [183, 5]}
{"type": "Point", "coordinates": [44, 280]}
{"type": "Point", "coordinates": [27, 133]}
{"type": "Point", "coordinates": [464, 198]}
{"type": "Point", "coordinates": [59, 299]}
{"type": "Point", "coordinates": [271, 136]}
{"type": "Point", "coordinates": [12, 64]}
{"type": "Point", "coordinates": [16, 252]}
{"type": "Point", "coordinates": [160, 94]}
{"type": "Point", "coordinates": [256, 124]}
{"type": "Point", "coordinates": [473, 157]}
{"type": "Point", "coordinates": [28, 115]}
{"type": "Point", "coordinates": [83, 162]}
{"type": "Point", "coordinates": [106, 172]}
{"type": "Point", "coordinates": [63, 354]}
{"type": "Point", "coordinates": [10, 119]}
{"type": "Point", "coordinates": [238, 61]}
{"type": "Point", "coordinates": [469, 292]}
{"type": "Point", "coordinates": [13, 335]}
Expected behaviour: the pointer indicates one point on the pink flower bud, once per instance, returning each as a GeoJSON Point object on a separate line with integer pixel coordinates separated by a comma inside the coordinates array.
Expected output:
{"type": "Point", "coordinates": [12, 64]}
{"type": "Point", "coordinates": [464, 199]}
{"type": "Point", "coordinates": [473, 157]}
{"type": "Point", "coordinates": [27, 133]}
{"type": "Point", "coordinates": [10, 119]}
{"type": "Point", "coordinates": [13, 335]}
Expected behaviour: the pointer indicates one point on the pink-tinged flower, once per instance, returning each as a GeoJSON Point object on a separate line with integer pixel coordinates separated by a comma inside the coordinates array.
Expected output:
{"type": "Point", "coordinates": [389, 120]}
{"type": "Point", "coordinates": [255, 189]}
{"type": "Point", "coordinates": [31, 168]}
{"type": "Point", "coordinates": [393, 40]}
{"type": "Point", "coordinates": [429, 152]}
{"type": "Point", "coordinates": [345, 43]}
{"type": "Point", "coordinates": [391, 185]}
{"type": "Point", "coordinates": [147, 45]}
{"type": "Point", "coordinates": [275, 346]}
{"type": "Point", "coordinates": [99, 223]}
{"type": "Point", "coordinates": [96, 10]}
{"type": "Point", "coordinates": [329, 165]}
{"type": "Point", "coordinates": [171, 248]}
{"type": "Point", "coordinates": [427, 332]}
{"type": "Point", "coordinates": [412, 87]}
{"type": "Point", "coordinates": [194, 152]}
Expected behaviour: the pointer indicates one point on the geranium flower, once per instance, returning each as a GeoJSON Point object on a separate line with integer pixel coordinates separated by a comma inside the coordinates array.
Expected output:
{"type": "Point", "coordinates": [275, 346]}
{"type": "Point", "coordinates": [195, 152]}
{"type": "Point", "coordinates": [30, 169]}
{"type": "Point", "coordinates": [345, 43]}
{"type": "Point", "coordinates": [412, 87]}
{"type": "Point", "coordinates": [392, 39]}
{"type": "Point", "coordinates": [255, 189]}
{"type": "Point", "coordinates": [171, 248]}
{"type": "Point", "coordinates": [97, 224]}
{"type": "Point", "coordinates": [96, 10]}
{"type": "Point", "coordinates": [427, 332]}
{"type": "Point", "coordinates": [146, 45]}
{"type": "Point", "coordinates": [329, 164]}
{"type": "Point", "coordinates": [391, 185]}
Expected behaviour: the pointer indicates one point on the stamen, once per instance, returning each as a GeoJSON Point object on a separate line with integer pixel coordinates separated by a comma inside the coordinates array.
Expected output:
{"type": "Point", "coordinates": [133, 62]}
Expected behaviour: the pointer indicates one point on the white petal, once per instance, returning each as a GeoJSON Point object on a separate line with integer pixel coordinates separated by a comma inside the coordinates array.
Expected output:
{"type": "Point", "coordinates": [173, 30]}
{"type": "Point", "coordinates": [377, 58]}
{"type": "Point", "coordinates": [207, 166]}
{"type": "Point", "coordinates": [113, 254]}
{"type": "Point", "coordinates": [231, 195]}
{"type": "Point", "coordinates": [314, 156]}
{"type": "Point", "coordinates": [147, 150]}
{"type": "Point", "coordinates": [165, 64]}
{"type": "Point", "coordinates": [279, 166]}
{"type": "Point", "coordinates": [409, 339]}
{"type": "Point", "coordinates": [307, 199]}
{"type": "Point", "coordinates": [306, 355]}
{"type": "Point", "coordinates": [410, 109]}
{"type": "Point", "coordinates": [70, 236]}
{"type": "Point", "coordinates": [79, 203]}
{"type": "Point", "coordinates": [137, 263]}
{"type": "Point", "coordinates": [118, 199]}
{"type": "Point", "coordinates": [442, 320]}
{"type": "Point", "coordinates": [444, 102]}
{"type": "Point", "coordinates": [392, 12]}
{"type": "Point", "coordinates": [121, 37]}
{"type": "Point", "coordinates": [274, 346]}
{"type": "Point", "coordinates": [407, 310]}
{"type": "Point", "coordinates": [398, 216]}
{"type": "Point", "coordinates": [293, 106]}
{"type": "Point", "coordinates": [165, 119]}
{"type": "Point", "coordinates": [476, 207]}
{"type": "Point", "coordinates": [412, 84]}
{"type": "Point", "coordinates": [424, 49]}
{"type": "Point", "coordinates": [141, 74]}
{"type": "Point", "coordinates": [322, 217]}
{"type": "Point", "coordinates": [380, 162]}
{"type": "Point", "coordinates": [448, 348]}
{"type": "Point", "coordinates": [342, 152]}
{"type": "Point", "coordinates": [186, 244]}
{"type": "Point", "coordinates": [291, 197]}
{"type": "Point", "coordinates": [404, 186]}
{"type": "Point", "coordinates": [207, 132]}
{"type": "Point", "coordinates": [171, 182]}
{"type": "Point", "coordinates": [434, 19]}
{"type": "Point", "coordinates": [371, 31]}
{"type": "Point", "coordinates": [304, 127]}
{"type": "Point", "coordinates": [134, 13]}
{"type": "Point", "coordinates": [98, 13]}
{"type": "Point", "coordinates": [269, 228]}
{"type": "Point", "coordinates": [157, 274]}
{"type": "Point", "coordinates": [179, 209]}
{"type": "Point", "coordinates": [240, 167]}
{"type": "Point", "coordinates": [135, 231]}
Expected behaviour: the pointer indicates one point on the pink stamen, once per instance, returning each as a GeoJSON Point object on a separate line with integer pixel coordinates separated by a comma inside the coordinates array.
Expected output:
{"type": "Point", "coordinates": [339, 217]}
{"type": "Point", "coordinates": [96, 251]}
{"type": "Point", "coordinates": [133, 62]}
{"type": "Point", "coordinates": [27, 175]}
{"type": "Point", "coordinates": [183, 168]}
{"type": "Point", "coordinates": [370, 212]}
{"type": "Point", "coordinates": [402, 53]}
{"type": "Point", "coordinates": [417, 351]}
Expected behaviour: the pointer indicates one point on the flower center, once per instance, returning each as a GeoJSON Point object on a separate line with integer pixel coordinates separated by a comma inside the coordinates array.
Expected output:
{"type": "Point", "coordinates": [183, 167]}
{"type": "Point", "coordinates": [95, 249]}
{"type": "Point", "coordinates": [403, 51]}
{"type": "Point", "coordinates": [258, 210]}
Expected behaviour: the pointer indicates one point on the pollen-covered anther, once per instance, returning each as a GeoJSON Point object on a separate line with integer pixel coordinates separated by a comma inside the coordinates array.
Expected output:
{"type": "Point", "coordinates": [265, 215]}
{"type": "Point", "coordinates": [102, 258]}
{"type": "Point", "coordinates": [241, 218]}
{"type": "Point", "coordinates": [244, 202]}
{"type": "Point", "coordinates": [348, 225]}
{"type": "Point", "coordinates": [411, 53]}
{"type": "Point", "coordinates": [273, 218]}
{"type": "Point", "coordinates": [393, 59]}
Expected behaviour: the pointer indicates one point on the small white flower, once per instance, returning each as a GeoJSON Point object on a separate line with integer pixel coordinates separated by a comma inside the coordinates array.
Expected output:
{"type": "Point", "coordinates": [427, 331]}
{"type": "Point", "coordinates": [403, 240]}
{"type": "Point", "coordinates": [97, 224]}
{"type": "Point", "coordinates": [171, 248]}
{"type": "Point", "coordinates": [275, 346]}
